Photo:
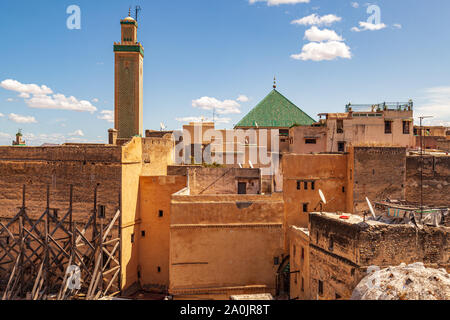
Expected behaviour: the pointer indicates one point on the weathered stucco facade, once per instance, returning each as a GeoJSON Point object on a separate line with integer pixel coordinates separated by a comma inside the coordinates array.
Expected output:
{"type": "Point", "coordinates": [224, 244]}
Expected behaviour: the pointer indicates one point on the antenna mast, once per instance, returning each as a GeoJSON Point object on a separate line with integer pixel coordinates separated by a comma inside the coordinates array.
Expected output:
{"type": "Point", "coordinates": [137, 9]}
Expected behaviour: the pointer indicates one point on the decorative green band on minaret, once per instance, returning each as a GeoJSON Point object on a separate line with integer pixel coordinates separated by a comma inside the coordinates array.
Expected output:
{"type": "Point", "coordinates": [129, 48]}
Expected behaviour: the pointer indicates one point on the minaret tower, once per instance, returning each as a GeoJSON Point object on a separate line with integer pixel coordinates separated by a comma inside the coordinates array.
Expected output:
{"type": "Point", "coordinates": [128, 74]}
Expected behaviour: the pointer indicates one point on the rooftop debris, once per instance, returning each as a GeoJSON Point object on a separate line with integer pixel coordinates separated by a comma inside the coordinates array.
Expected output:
{"type": "Point", "coordinates": [404, 282]}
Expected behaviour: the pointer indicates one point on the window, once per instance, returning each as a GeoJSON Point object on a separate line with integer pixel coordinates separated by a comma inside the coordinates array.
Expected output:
{"type": "Point", "coordinates": [317, 237]}
{"type": "Point", "coordinates": [160, 213]}
{"type": "Point", "coordinates": [320, 288]}
{"type": "Point", "coordinates": [406, 127]}
{"type": "Point", "coordinates": [299, 183]}
{"type": "Point", "coordinates": [132, 238]}
{"type": "Point", "coordinates": [313, 185]}
{"type": "Point", "coordinates": [305, 207]}
{"type": "Point", "coordinates": [276, 261]}
{"type": "Point", "coordinates": [341, 146]}
{"type": "Point", "coordinates": [143, 233]}
{"type": "Point", "coordinates": [343, 189]}
{"type": "Point", "coordinates": [310, 141]}
{"type": "Point", "coordinates": [331, 245]}
{"type": "Point", "coordinates": [305, 185]}
{"type": "Point", "coordinates": [303, 253]}
{"type": "Point", "coordinates": [388, 127]}
{"type": "Point", "coordinates": [159, 269]}
{"type": "Point", "coordinates": [340, 126]}
{"type": "Point", "coordinates": [242, 188]}
{"type": "Point", "coordinates": [303, 284]}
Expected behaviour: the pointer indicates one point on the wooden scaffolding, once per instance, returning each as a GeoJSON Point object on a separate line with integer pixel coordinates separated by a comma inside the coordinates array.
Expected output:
{"type": "Point", "coordinates": [55, 257]}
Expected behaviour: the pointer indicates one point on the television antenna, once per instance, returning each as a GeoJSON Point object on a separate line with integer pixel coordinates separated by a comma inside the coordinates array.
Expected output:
{"type": "Point", "coordinates": [137, 10]}
{"type": "Point", "coordinates": [371, 208]}
{"type": "Point", "coordinates": [323, 200]}
{"type": "Point", "coordinates": [421, 163]}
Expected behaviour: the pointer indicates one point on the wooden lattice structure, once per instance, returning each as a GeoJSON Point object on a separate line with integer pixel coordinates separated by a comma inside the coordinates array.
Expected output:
{"type": "Point", "coordinates": [43, 258]}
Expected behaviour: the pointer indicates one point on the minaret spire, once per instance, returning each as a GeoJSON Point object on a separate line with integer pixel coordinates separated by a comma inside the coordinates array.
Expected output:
{"type": "Point", "coordinates": [274, 82]}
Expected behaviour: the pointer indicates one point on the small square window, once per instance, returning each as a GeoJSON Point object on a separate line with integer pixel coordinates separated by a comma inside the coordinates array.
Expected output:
{"type": "Point", "coordinates": [276, 261]}
{"type": "Point", "coordinates": [305, 207]}
{"type": "Point", "coordinates": [303, 284]}
{"type": "Point", "coordinates": [303, 253]}
{"type": "Point", "coordinates": [310, 141]}
{"type": "Point", "coordinates": [299, 183]}
{"type": "Point", "coordinates": [305, 185]}
{"type": "Point", "coordinates": [160, 213]}
{"type": "Point", "coordinates": [143, 233]}
{"type": "Point", "coordinates": [159, 269]}
{"type": "Point", "coordinates": [343, 189]}
{"type": "Point", "coordinates": [313, 185]}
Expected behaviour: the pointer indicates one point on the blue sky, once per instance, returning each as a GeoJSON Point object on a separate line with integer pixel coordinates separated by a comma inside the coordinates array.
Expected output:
{"type": "Point", "coordinates": [201, 54]}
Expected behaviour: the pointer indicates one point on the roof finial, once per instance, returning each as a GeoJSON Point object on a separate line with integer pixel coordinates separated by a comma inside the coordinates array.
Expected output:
{"type": "Point", "coordinates": [274, 82]}
{"type": "Point", "coordinates": [129, 12]}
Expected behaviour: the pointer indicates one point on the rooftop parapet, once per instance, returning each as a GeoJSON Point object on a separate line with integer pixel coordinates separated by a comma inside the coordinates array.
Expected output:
{"type": "Point", "coordinates": [392, 106]}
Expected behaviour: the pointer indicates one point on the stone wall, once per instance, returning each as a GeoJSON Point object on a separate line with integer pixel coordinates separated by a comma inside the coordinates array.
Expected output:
{"type": "Point", "coordinates": [341, 251]}
{"type": "Point", "coordinates": [223, 180]}
{"type": "Point", "coordinates": [379, 173]}
{"type": "Point", "coordinates": [436, 180]}
{"type": "Point", "coordinates": [444, 145]}
{"type": "Point", "coordinates": [81, 166]}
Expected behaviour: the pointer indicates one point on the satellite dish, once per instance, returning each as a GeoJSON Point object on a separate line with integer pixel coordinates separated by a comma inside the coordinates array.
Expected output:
{"type": "Point", "coordinates": [163, 126]}
{"type": "Point", "coordinates": [371, 208]}
{"type": "Point", "coordinates": [322, 197]}
{"type": "Point", "coordinates": [250, 163]}
{"type": "Point", "coordinates": [256, 124]}
{"type": "Point", "coordinates": [240, 165]}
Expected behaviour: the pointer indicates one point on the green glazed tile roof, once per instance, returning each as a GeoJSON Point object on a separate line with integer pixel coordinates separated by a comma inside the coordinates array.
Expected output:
{"type": "Point", "coordinates": [275, 110]}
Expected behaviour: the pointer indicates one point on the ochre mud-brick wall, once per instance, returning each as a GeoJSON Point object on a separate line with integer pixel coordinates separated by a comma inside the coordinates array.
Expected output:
{"type": "Point", "coordinates": [59, 167]}
{"type": "Point", "coordinates": [436, 180]}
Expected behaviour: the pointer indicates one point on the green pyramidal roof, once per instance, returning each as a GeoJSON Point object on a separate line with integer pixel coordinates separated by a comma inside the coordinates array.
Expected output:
{"type": "Point", "coordinates": [277, 111]}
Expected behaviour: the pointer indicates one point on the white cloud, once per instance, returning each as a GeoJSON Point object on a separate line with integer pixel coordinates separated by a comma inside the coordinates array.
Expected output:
{"type": "Point", "coordinates": [1, 115]}
{"type": "Point", "coordinates": [220, 107]}
{"type": "Point", "coordinates": [317, 35]}
{"type": "Point", "coordinates": [397, 25]}
{"type": "Point", "coordinates": [243, 98]}
{"type": "Point", "coordinates": [319, 51]}
{"type": "Point", "coordinates": [77, 133]}
{"type": "Point", "coordinates": [278, 2]}
{"type": "Point", "coordinates": [364, 26]}
{"type": "Point", "coordinates": [5, 135]}
{"type": "Point", "coordinates": [203, 119]}
{"type": "Point", "coordinates": [42, 97]}
{"type": "Point", "coordinates": [14, 85]}
{"type": "Point", "coordinates": [314, 19]}
{"type": "Point", "coordinates": [95, 100]}
{"type": "Point", "coordinates": [60, 102]}
{"type": "Point", "coordinates": [21, 119]}
{"type": "Point", "coordinates": [107, 115]}
{"type": "Point", "coordinates": [436, 104]}
{"type": "Point", "coordinates": [10, 99]}
{"type": "Point", "coordinates": [355, 5]}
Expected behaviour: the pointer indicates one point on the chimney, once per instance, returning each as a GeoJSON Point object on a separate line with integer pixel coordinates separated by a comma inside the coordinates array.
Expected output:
{"type": "Point", "coordinates": [112, 136]}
